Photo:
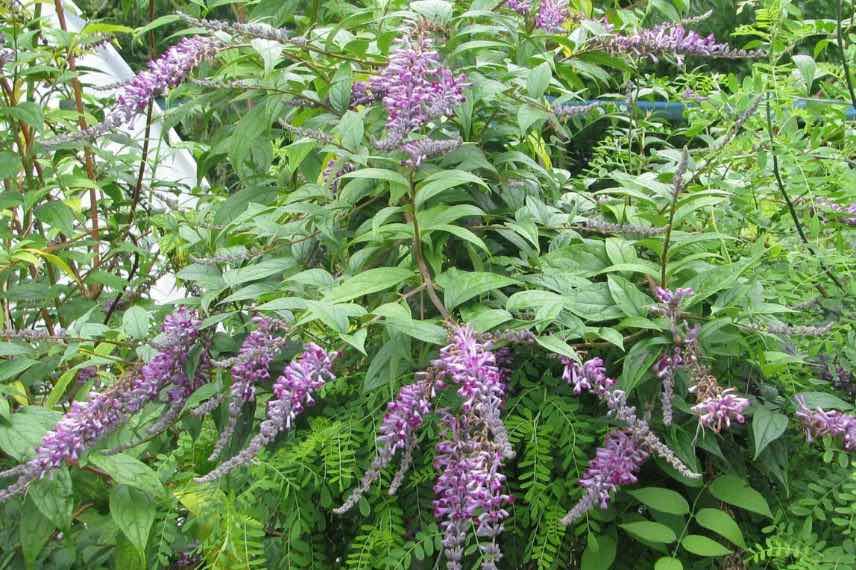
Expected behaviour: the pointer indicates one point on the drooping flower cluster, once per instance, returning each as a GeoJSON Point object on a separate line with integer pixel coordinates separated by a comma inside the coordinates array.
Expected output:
{"type": "Point", "coordinates": [716, 406]}
{"type": "Point", "coordinates": [87, 422]}
{"type": "Point", "coordinates": [591, 376]}
{"type": "Point", "coordinates": [292, 392]}
{"type": "Point", "coordinates": [818, 422]}
{"type": "Point", "coordinates": [616, 463]}
{"type": "Point", "coordinates": [252, 365]}
{"type": "Point", "coordinates": [469, 490]}
{"type": "Point", "coordinates": [552, 15]}
{"type": "Point", "coordinates": [604, 227]}
{"type": "Point", "coordinates": [670, 38]}
{"type": "Point", "coordinates": [168, 71]}
{"type": "Point", "coordinates": [415, 87]}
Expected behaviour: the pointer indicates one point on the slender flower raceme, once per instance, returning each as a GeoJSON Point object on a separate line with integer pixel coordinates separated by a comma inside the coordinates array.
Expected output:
{"type": "Point", "coordinates": [615, 464]}
{"type": "Point", "coordinates": [522, 7]}
{"type": "Point", "coordinates": [168, 71]}
{"type": "Point", "coordinates": [423, 149]}
{"type": "Point", "coordinates": [404, 416]}
{"type": "Point", "coordinates": [591, 376]}
{"type": "Point", "coordinates": [104, 412]}
{"type": "Point", "coordinates": [847, 213]}
{"type": "Point", "coordinates": [292, 392]}
{"type": "Point", "coordinates": [252, 366]}
{"type": "Point", "coordinates": [818, 422]}
{"type": "Point", "coordinates": [670, 38]}
{"type": "Point", "coordinates": [552, 15]}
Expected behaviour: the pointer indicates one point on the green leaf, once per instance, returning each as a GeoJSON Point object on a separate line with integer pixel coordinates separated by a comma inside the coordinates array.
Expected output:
{"type": "Point", "coordinates": [20, 436]}
{"type": "Point", "coordinates": [767, 426]}
{"type": "Point", "coordinates": [824, 400]}
{"type": "Point", "coordinates": [12, 368]}
{"type": "Point", "coordinates": [340, 90]}
{"type": "Point", "coordinates": [351, 129]}
{"type": "Point", "coordinates": [461, 286]}
{"type": "Point", "coordinates": [35, 531]}
{"type": "Point", "coordinates": [436, 10]}
{"type": "Point", "coordinates": [444, 180]}
{"type": "Point", "coordinates": [703, 546]}
{"type": "Point", "coordinates": [638, 362]}
{"type": "Point", "coordinates": [527, 115]}
{"type": "Point", "coordinates": [722, 524]}
{"type": "Point", "coordinates": [237, 203]}
{"type": "Point", "coordinates": [668, 563]}
{"type": "Point", "coordinates": [157, 23]}
{"type": "Point", "coordinates": [662, 500]}
{"type": "Point", "coordinates": [53, 497]}
{"type": "Point", "coordinates": [807, 68]}
{"type": "Point", "coordinates": [539, 80]}
{"type": "Point", "coordinates": [650, 531]}
{"type": "Point", "coordinates": [368, 282]}
{"type": "Point", "coordinates": [378, 174]}
{"type": "Point", "coordinates": [737, 492]}
{"type": "Point", "coordinates": [599, 553]}
{"type": "Point", "coordinates": [258, 271]}
{"type": "Point", "coordinates": [558, 346]}
{"type": "Point", "coordinates": [329, 314]}
{"type": "Point", "coordinates": [127, 470]}
{"type": "Point", "coordinates": [133, 511]}
{"type": "Point", "coordinates": [57, 215]}
{"type": "Point", "coordinates": [135, 322]}
{"type": "Point", "coordinates": [9, 164]}
{"type": "Point", "coordinates": [628, 297]}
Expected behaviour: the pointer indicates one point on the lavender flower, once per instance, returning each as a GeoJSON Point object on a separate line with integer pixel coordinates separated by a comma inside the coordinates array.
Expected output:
{"type": "Point", "coordinates": [849, 211]}
{"type": "Point", "coordinates": [416, 88]}
{"type": "Point", "coordinates": [425, 148]}
{"type": "Point", "coordinates": [522, 7]}
{"type": "Point", "coordinates": [567, 110]}
{"type": "Point", "coordinates": [87, 422]}
{"type": "Point", "coordinates": [292, 392]}
{"type": "Point", "coordinates": [670, 38]}
{"type": "Point", "coordinates": [819, 423]}
{"type": "Point", "coordinates": [717, 411]}
{"type": "Point", "coordinates": [592, 376]}
{"type": "Point", "coordinates": [404, 416]}
{"type": "Point", "coordinates": [551, 15]}
{"type": "Point", "coordinates": [468, 490]}
{"type": "Point", "coordinates": [170, 70]}
{"type": "Point", "coordinates": [252, 366]}
{"type": "Point", "coordinates": [615, 464]}
{"type": "Point", "coordinates": [665, 369]}
{"type": "Point", "coordinates": [362, 94]}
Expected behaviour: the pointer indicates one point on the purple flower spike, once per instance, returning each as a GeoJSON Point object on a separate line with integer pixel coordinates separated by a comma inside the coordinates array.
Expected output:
{"type": "Point", "coordinates": [552, 15]}
{"type": "Point", "coordinates": [423, 149]}
{"type": "Point", "coordinates": [819, 423]}
{"type": "Point", "coordinates": [87, 422]}
{"type": "Point", "coordinates": [252, 366]}
{"type": "Point", "coordinates": [522, 7]}
{"type": "Point", "coordinates": [718, 411]}
{"type": "Point", "coordinates": [615, 464]}
{"type": "Point", "coordinates": [404, 416]}
{"type": "Point", "coordinates": [292, 393]}
{"type": "Point", "coordinates": [168, 71]}
{"type": "Point", "coordinates": [415, 88]}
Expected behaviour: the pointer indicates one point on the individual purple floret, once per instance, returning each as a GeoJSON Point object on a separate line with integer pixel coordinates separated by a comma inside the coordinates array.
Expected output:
{"type": "Point", "coordinates": [416, 88]}
{"type": "Point", "coordinates": [615, 464]}
{"type": "Point", "coordinates": [522, 7]}
{"type": "Point", "coordinates": [362, 94]}
{"type": "Point", "coordinates": [292, 392]}
{"type": "Point", "coordinates": [87, 422]}
{"type": "Point", "coordinates": [670, 38]}
{"type": "Point", "coordinates": [718, 411]}
{"type": "Point", "coordinates": [552, 15]}
{"type": "Point", "coordinates": [819, 423]}
{"type": "Point", "coordinates": [169, 70]}
{"type": "Point", "coordinates": [425, 148]}
{"type": "Point", "coordinates": [592, 376]}
{"type": "Point", "coordinates": [404, 416]}
{"type": "Point", "coordinates": [252, 365]}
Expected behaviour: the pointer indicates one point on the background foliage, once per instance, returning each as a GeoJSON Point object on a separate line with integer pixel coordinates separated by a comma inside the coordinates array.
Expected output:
{"type": "Point", "coordinates": [506, 231]}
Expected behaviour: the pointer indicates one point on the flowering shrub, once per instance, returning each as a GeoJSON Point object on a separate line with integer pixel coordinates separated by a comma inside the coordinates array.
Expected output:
{"type": "Point", "coordinates": [483, 284]}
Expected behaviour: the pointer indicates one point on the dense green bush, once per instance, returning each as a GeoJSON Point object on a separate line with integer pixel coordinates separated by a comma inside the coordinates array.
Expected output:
{"type": "Point", "coordinates": [473, 200]}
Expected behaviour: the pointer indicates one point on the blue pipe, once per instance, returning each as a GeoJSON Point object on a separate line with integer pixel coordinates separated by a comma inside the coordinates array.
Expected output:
{"type": "Point", "coordinates": [672, 111]}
